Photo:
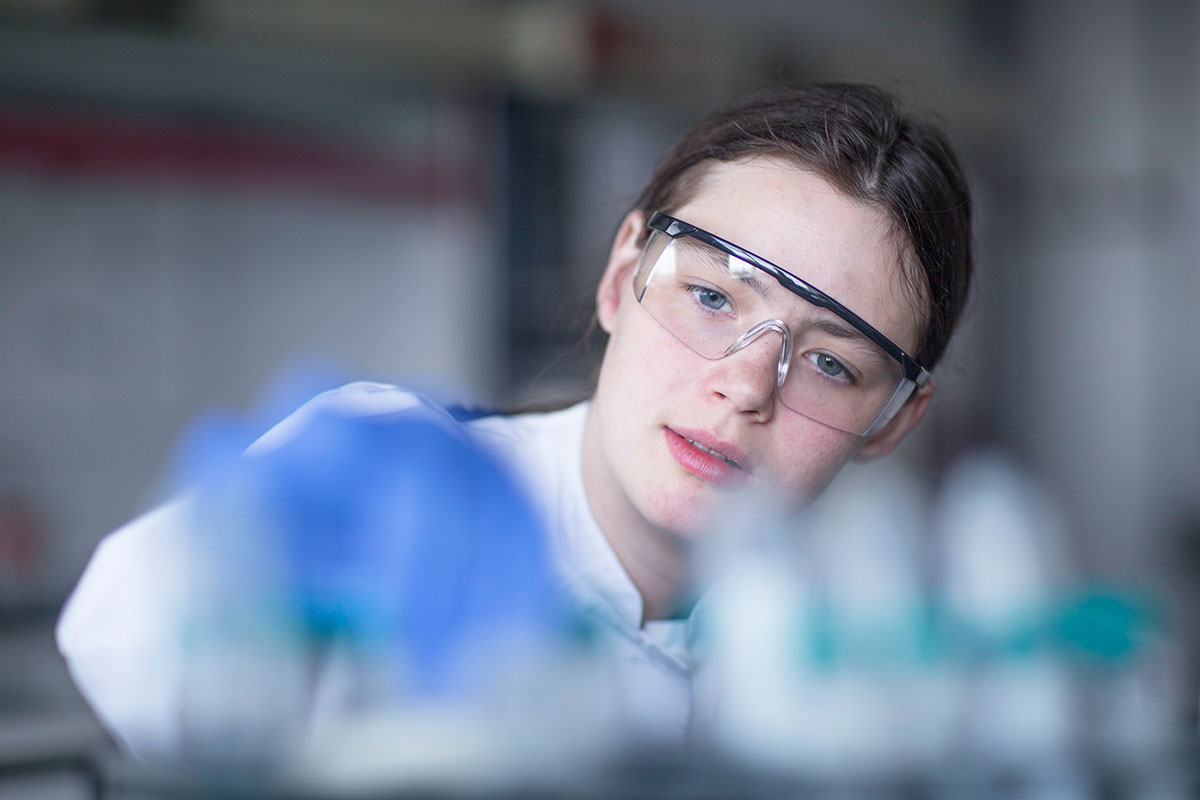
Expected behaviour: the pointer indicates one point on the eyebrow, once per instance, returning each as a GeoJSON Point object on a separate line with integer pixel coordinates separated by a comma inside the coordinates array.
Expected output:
{"type": "Point", "coordinates": [720, 259]}
{"type": "Point", "coordinates": [836, 328]}
{"type": "Point", "coordinates": [843, 330]}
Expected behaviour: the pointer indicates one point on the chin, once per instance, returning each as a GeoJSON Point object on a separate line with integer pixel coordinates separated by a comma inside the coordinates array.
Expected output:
{"type": "Point", "coordinates": [685, 515]}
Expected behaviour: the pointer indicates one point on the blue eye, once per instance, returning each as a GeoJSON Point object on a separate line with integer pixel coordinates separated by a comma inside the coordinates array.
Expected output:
{"type": "Point", "coordinates": [709, 298]}
{"type": "Point", "coordinates": [830, 365]}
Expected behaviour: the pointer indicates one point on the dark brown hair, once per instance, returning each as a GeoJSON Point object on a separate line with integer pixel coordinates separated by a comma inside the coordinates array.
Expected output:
{"type": "Point", "coordinates": [859, 139]}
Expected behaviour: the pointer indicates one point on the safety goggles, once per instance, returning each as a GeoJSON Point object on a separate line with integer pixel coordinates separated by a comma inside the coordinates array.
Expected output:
{"type": "Point", "coordinates": [717, 298]}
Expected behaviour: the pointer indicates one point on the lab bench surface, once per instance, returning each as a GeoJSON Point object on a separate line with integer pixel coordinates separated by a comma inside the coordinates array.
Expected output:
{"type": "Point", "coordinates": [659, 776]}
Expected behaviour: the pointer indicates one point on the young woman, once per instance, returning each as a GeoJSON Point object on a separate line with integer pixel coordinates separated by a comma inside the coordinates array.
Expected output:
{"type": "Point", "coordinates": [775, 302]}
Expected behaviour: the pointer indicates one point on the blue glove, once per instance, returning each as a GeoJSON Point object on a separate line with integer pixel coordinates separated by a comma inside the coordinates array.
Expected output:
{"type": "Point", "coordinates": [396, 531]}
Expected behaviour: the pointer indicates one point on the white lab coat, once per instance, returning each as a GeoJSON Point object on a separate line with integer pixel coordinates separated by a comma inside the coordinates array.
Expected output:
{"type": "Point", "coordinates": [119, 627]}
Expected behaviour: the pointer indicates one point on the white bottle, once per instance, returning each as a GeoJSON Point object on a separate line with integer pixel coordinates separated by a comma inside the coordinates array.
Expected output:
{"type": "Point", "coordinates": [900, 693]}
{"type": "Point", "coordinates": [1004, 564]}
{"type": "Point", "coordinates": [811, 657]}
{"type": "Point", "coordinates": [747, 633]}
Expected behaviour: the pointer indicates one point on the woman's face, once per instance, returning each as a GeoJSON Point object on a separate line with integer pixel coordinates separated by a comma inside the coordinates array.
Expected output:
{"type": "Point", "coordinates": [655, 393]}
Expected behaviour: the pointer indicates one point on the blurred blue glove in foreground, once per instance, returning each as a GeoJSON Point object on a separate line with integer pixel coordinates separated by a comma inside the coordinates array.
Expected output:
{"type": "Point", "coordinates": [393, 535]}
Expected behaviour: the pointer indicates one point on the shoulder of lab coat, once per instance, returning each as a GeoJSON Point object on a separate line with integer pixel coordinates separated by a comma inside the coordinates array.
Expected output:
{"type": "Point", "coordinates": [120, 629]}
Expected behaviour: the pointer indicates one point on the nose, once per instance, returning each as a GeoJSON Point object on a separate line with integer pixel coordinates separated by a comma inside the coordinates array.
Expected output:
{"type": "Point", "coordinates": [754, 367]}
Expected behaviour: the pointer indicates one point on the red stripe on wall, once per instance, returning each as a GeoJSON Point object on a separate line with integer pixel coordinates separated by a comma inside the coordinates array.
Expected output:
{"type": "Point", "coordinates": [141, 149]}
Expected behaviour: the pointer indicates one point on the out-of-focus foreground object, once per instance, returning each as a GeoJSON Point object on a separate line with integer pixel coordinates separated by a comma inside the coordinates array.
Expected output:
{"type": "Point", "coordinates": [371, 603]}
{"type": "Point", "coordinates": [875, 641]}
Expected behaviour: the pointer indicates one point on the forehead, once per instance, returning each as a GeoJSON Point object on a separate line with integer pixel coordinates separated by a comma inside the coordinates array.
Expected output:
{"type": "Point", "coordinates": [799, 221]}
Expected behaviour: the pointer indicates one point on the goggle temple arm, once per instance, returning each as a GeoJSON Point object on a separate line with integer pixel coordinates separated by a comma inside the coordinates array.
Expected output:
{"type": "Point", "coordinates": [899, 397]}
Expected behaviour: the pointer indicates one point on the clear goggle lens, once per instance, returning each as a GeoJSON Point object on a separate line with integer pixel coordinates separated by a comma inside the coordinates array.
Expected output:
{"type": "Point", "coordinates": [716, 304]}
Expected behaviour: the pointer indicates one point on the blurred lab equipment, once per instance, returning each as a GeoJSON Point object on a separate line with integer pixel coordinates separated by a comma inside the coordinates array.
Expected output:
{"type": "Point", "coordinates": [878, 641]}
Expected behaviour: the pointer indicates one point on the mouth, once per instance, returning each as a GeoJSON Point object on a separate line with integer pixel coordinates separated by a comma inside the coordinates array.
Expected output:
{"type": "Point", "coordinates": [710, 451]}
{"type": "Point", "coordinates": [707, 457]}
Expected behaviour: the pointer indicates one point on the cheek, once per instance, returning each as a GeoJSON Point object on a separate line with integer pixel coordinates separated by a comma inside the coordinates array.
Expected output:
{"type": "Point", "coordinates": [806, 456]}
{"type": "Point", "coordinates": [647, 359]}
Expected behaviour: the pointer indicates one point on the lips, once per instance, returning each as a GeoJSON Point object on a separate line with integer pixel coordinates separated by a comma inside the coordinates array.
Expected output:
{"type": "Point", "coordinates": [707, 457]}
{"type": "Point", "coordinates": [699, 446]}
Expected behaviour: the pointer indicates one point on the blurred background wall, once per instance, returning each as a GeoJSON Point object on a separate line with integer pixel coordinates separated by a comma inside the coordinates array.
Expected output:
{"type": "Point", "coordinates": [196, 195]}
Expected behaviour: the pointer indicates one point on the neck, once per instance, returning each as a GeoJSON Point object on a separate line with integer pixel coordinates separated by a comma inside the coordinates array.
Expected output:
{"type": "Point", "coordinates": [654, 559]}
